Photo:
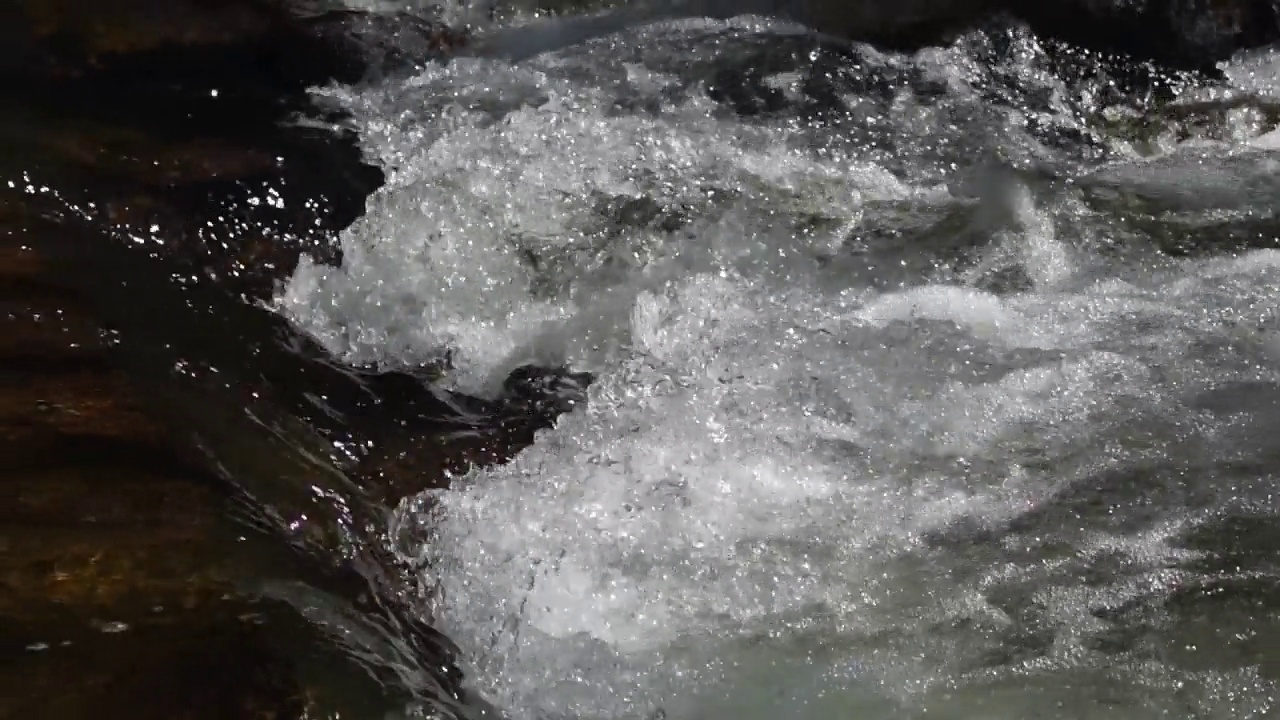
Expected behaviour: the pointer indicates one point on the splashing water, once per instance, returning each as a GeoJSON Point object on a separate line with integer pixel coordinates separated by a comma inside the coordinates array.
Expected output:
{"type": "Point", "coordinates": [899, 410]}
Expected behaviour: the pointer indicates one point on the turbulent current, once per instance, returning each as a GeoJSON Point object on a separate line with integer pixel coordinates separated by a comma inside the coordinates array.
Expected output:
{"type": "Point", "coordinates": [943, 385]}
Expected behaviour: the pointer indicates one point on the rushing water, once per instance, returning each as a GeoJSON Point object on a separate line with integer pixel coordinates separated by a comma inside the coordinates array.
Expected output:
{"type": "Point", "coordinates": [903, 406]}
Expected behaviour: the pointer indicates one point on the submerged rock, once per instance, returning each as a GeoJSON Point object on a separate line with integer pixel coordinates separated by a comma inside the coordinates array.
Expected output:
{"type": "Point", "coordinates": [203, 668]}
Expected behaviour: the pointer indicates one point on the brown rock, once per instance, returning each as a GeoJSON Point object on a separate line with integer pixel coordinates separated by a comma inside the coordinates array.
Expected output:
{"type": "Point", "coordinates": [119, 571]}
{"type": "Point", "coordinates": [199, 666]}
{"type": "Point", "coordinates": [76, 36]}
{"type": "Point", "coordinates": [17, 259]}
{"type": "Point", "coordinates": [406, 465]}
{"type": "Point", "coordinates": [133, 25]}
{"type": "Point", "coordinates": [139, 394]}
{"type": "Point", "coordinates": [1192, 34]}
{"type": "Point", "coordinates": [86, 403]}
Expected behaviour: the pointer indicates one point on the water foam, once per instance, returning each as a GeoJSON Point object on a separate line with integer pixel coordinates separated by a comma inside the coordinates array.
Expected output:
{"type": "Point", "coordinates": [481, 246]}
{"type": "Point", "coordinates": [794, 491]}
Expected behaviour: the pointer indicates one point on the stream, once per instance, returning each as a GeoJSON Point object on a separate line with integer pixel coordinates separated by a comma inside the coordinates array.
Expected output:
{"type": "Point", "coordinates": [702, 369]}
{"type": "Point", "coordinates": [931, 385]}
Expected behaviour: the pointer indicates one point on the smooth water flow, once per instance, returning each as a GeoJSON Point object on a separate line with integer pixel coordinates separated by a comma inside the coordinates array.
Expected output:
{"type": "Point", "coordinates": [900, 411]}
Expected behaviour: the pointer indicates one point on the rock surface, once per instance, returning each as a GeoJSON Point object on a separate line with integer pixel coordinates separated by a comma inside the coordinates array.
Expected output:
{"type": "Point", "coordinates": [1189, 34]}
{"type": "Point", "coordinates": [1184, 34]}
{"type": "Point", "coordinates": [119, 595]}
{"type": "Point", "coordinates": [191, 486]}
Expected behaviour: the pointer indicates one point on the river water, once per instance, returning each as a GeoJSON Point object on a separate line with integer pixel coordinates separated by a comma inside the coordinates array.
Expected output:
{"type": "Point", "coordinates": [920, 390]}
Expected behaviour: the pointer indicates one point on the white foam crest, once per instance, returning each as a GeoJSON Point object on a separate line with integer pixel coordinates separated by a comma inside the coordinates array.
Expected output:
{"type": "Point", "coordinates": [743, 470]}
{"type": "Point", "coordinates": [474, 220]}
{"type": "Point", "coordinates": [748, 499]}
{"type": "Point", "coordinates": [685, 502]}
{"type": "Point", "coordinates": [1255, 71]}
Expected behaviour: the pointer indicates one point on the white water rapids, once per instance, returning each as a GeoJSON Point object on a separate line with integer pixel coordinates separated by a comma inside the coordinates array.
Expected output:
{"type": "Point", "coordinates": [879, 430]}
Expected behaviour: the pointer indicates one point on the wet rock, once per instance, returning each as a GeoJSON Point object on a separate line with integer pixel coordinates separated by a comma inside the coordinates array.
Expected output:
{"type": "Point", "coordinates": [386, 43]}
{"type": "Point", "coordinates": [64, 39]}
{"type": "Point", "coordinates": [84, 467]}
{"type": "Point", "coordinates": [204, 668]}
{"type": "Point", "coordinates": [538, 391]}
{"type": "Point", "coordinates": [135, 582]}
{"type": "Point", "coordinates": [304, 447]}
{"type": "Point", "coordinates": [1192, 34]}
{"type": "Point", "coordinates": [236, 202]}
{"type": "Point", "coordinates": [240, 45]}
{"type": "Point", "coordinates": [116, 585]}
{"type": "Point", "coordinates": [175, 123]}
{"type": "Point", "coordinates": [155, 414]}
{"type": "Point", "coordinates": [126, 154]}
{"type": "Point", "coordinates": [902, 24]}
{"type": "Point", "coordinates": [127, 26]}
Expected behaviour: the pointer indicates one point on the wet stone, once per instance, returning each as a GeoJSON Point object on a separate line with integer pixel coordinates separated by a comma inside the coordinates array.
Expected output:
{"type": "Point", "coordinates": [17, 259]}
{"type": "Point", "coordinates": [403, 466]}
{"type": "Point", "coordinates": [130, 519]}
{"type": "Point", "coordinates": [120, 582]}
{"type": "Point", "coordinates": [133, 25]}
{"type": "Point", "coordinates": [83, 403]}
{"type": "Point", "coordinates": [148, 413]}
{"type": "Point", "coordinates": [42, 327]}
{"type": "Point", "coordinates": [206, 666]}
{"type": "Point", "coordinates": [136, 157]}
{"type": "Point", "coordinates": [1191, 33]}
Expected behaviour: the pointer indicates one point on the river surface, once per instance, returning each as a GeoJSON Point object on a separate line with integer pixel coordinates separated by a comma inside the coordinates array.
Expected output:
{"type": "Point", "coordinates": [926, 386]}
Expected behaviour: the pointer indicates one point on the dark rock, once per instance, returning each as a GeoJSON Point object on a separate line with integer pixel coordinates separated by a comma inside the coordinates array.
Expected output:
{"type": "Point", "coordinates": [182, 139]}
{"type": "Point", "coordinates": [896, 24]}
{"type": "Point", "coordinates": [118, 585]}
{"type": "Point", "coordinates": [1190, 34]}
{"type": "Point", "coordinates": [202, 668]}
{"type": "Point", "coordinates": [236, 44]}
{"type": "Point", "coordinates": [148, 509]}
{"type": "Point", "coordinates": [545, 392]}
{"type": "Point", "coordinates": [310, 452]}
{"type": "Point", "coordinates": [386, 43]}
{"type": "Point", "coordinates": [153, 413]}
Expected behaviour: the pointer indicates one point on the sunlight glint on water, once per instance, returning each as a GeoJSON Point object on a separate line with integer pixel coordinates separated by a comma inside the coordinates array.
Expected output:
{"type": "Point", "coordinates": [825, 471]}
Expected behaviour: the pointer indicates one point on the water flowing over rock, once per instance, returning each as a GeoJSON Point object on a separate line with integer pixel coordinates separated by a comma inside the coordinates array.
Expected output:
{"type": "Point", "coordinates": [164, 168]}
{"type": "Point", "coordinates": [909, 384]}
{"type": "Point", "coordinates": [904, 397]}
